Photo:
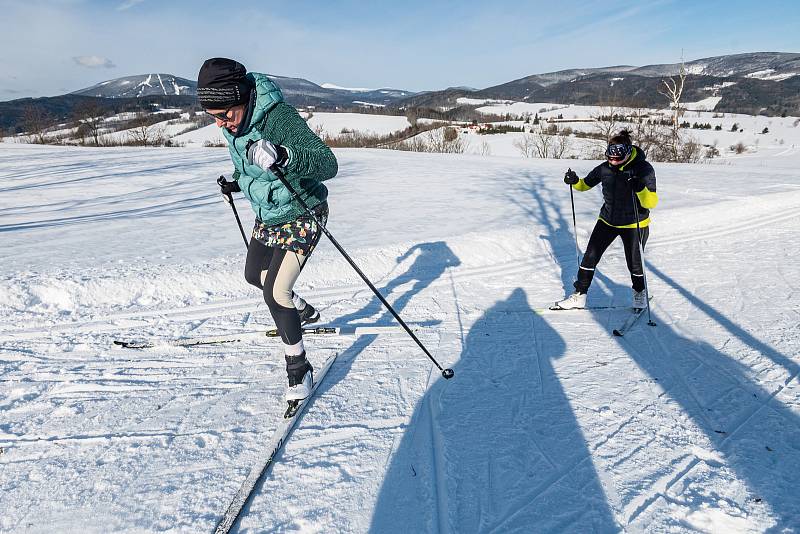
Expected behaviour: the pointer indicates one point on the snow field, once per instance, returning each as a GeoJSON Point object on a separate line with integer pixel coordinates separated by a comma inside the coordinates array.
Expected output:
{"type": "Point", "coordinates": [550, 424]}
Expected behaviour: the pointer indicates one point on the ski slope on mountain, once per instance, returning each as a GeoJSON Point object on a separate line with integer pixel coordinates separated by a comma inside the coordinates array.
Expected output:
{"type": "Point", "coordinates": [550, 424]}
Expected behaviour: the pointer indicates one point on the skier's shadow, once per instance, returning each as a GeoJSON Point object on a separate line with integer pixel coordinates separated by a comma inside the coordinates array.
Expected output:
{"type": "Point", "coordinates": [430, 263]}
{"type": "Point", "coordinates": [497, 448]}
{"type": "Point", "coordinates": [737, 415]}
{"type": "Point", "coordinates": [545, 208]}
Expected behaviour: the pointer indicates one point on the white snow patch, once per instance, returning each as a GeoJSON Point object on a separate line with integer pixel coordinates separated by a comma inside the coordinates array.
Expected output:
{"type": "Point", "coordinates": [332, 124]}
{"type": "Point", "coordinates": [353, 89]}
{"type": "Point", "coordinates": [481, 101]}
{"type": "Point", "coordinates": [713, 520]}
{"type": "Point", "coordinates": [696, 69]}
{"type": "Point", "coordinates": [706, 104]}
{"type": "Point", "coordinates": [767, 74]}
{"type": "Point", "coordinates": [368, 104]}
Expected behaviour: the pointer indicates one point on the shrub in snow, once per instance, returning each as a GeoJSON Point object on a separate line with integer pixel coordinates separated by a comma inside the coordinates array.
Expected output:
{"type": "Point", "coordinates": [739, 148]}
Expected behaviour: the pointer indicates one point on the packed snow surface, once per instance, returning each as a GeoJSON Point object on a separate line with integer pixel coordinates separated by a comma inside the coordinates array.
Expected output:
{"type": "Point", "coordinates": [549, 425]}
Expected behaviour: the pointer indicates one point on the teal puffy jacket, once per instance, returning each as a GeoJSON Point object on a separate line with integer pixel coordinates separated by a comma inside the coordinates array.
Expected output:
{"type": "Point", "coordinates": [310, 160]}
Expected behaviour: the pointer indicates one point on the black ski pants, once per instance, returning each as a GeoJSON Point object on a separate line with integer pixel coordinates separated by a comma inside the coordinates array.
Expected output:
{"type": "Point", "coordinates": [602, 236]}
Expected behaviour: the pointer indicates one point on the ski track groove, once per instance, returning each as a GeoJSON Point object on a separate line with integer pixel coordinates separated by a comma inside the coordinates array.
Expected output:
{"type": "Point", "coordinates": [735, 228]}
{"type": "Point", "coordinates": [659, 488]}
{"type": "Point", "coordinates": [662, 486]}
{"type": "Point", "coordinates": [560, 471]}
{"type": "Point", "coordinates": [644, 500]}
{"type": "Point", "coordinates": [551, 481]}
{"type": "Point", "coordinates": [215, 310]}
{"type": "Point", "coordinates": [442, 510]}
{"type": "Point", "coordinates": [120, 436]}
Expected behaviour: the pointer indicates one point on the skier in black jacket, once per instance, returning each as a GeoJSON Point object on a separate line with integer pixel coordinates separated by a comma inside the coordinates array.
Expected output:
{"type": "Point", "coordinates": [625, 170]}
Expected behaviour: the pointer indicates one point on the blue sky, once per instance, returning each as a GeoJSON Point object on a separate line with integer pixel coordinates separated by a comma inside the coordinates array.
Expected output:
{"type": "Point", "coordinates": [57, 46]}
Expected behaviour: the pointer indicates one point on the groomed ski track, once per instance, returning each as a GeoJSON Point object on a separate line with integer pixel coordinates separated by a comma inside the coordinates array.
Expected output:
{"type": "Point", "coordinates": [550, 422]}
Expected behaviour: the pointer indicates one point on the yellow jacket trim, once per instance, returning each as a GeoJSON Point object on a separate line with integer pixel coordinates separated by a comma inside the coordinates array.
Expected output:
{"type": "Point", "coordinates": [648, 199]}
{"type": "Point", "coordinates": [581, 185]}
{"type": "Point", "coordinates": [642, 223]}
{"type": "Point", "coordinates": [634, 153]}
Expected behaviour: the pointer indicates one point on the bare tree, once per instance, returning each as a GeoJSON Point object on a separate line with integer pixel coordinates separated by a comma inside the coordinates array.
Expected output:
{"type": "Point", "coordinates": [561, 144]}
{"type": "Point", "coordinates": [143, 133]}
{"type": "Point", "coordinates": [91, 116]}
{"type": "Point", "coordinates": [35, 121]}
{"type": "Point", "coordinates": [412, 117]}
{"type": "Point", "coordinates": [543, 143]}
{"type": "Point", "coordinates": [647, 132]}
{"type": "Point", "coordinates": [673, 90]}
{"type": "Point", "coordinates": [445, 140]}
{"type": "Point", "coordinates": [525, 144]}
{"type": "Point", "coordinates": [607, 121]}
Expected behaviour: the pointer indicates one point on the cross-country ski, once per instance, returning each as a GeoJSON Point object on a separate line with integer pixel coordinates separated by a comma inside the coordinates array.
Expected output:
{"type": "Point", "coordinates": [347, 330]}
{"type": "Point", "coordinates": [271, 451]}
{"type": "Point", "coordinates": [630, 321]}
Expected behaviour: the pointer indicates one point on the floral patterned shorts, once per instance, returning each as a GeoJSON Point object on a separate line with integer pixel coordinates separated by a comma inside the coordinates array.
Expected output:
{"type": "Point", "coordinates": [299, 236]}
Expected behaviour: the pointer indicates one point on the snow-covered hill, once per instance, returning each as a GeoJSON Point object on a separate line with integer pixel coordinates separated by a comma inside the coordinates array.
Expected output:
{"type": "Point", "coordinates": [140, 86]}
{"type": "Point", "coordinates": [549, 425]}
{"type": "Point", "coordinates": [296, 90]}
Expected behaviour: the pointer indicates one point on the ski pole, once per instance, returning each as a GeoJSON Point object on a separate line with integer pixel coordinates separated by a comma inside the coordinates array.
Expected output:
{"type": "Point", "coordinates": [574, 227]}
{"type": "Point", "coordinates": [641, 256]}
{"type": "Point", "coordinates": [229, 201]}
{"type": "Point", "coordinates": [446, 373]}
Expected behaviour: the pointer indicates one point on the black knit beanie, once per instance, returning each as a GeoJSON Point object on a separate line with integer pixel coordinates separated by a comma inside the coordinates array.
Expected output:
{"type": "Point", "coordinates": [221, 83]}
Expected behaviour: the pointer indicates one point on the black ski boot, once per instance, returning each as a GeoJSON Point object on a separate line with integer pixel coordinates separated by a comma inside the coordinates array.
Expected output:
{"type": "Point", "coordinates": [301, 380]}
{"type": "Point", "coordinates": [308, 315]}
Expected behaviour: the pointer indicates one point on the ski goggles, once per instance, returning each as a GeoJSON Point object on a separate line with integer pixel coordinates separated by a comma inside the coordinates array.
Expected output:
{"type": "Point", "coordinates": [618, 151]}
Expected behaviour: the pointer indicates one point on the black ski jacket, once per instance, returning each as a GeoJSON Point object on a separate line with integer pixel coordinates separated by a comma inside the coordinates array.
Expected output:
{"type": "Point", "coordinates": [618, 205]}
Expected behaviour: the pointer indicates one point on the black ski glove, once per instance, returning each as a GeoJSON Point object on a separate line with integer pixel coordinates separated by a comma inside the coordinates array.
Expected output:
{"type": "Point", "coordinates": [571, 177]}
{"type": "Point", "coordinates": [226, 188]}
{"type": "Point", "coordinates": [636, 182]}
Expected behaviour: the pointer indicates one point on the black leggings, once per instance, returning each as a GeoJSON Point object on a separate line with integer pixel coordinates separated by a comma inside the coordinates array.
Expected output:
{"type": "Point", "coordinates": [279, 269]}
{"type": "Point", "coordinates": [602, 236]}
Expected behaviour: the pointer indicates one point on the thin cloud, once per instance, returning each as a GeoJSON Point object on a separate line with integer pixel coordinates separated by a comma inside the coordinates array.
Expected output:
{"type": "Point", "coordinates": [94, 62]}
{"type": "Point", "coordinates": [127, 4]}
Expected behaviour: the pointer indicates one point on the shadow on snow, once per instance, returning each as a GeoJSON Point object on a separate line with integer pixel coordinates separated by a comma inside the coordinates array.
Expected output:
{"type": "Point", "coordinates": [737, 415]}
{"type": "Point", "coordinates": [498, 447]}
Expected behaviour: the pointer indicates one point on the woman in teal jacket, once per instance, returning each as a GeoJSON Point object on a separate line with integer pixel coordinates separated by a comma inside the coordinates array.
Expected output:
{"type": "Point", "coordinates": [261, 131]}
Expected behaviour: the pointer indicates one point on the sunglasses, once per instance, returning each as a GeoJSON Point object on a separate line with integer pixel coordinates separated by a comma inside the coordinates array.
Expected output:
{"type": "Point", "coordinates": [618, 151]}
{"type": "Point", "coordinates": [221, 116]}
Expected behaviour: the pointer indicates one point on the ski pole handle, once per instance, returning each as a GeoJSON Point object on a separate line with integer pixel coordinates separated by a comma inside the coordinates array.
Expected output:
{"type": "Point", "coordinates": [225, 196]}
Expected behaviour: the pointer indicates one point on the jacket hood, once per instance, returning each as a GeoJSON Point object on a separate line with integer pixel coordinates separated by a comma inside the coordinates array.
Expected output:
{"type": "Point", "coordinates": [268, 95]}
{"type": "Point", "coordinates": [637, 154]}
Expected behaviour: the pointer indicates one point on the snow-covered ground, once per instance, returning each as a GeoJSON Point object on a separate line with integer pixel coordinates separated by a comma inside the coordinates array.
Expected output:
{"type": "Point", "coordinates": [336, 124]}
{"type": "Point", "coordinates": [549, 425]}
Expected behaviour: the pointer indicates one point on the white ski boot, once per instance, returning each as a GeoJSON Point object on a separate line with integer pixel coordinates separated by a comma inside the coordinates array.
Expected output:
{"type": "Point", "coordinates": [301, 378]}
{"type": "Point", "coordinates": [639, 299]}
{"type": "Point", "coordinates": [575, 301]}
